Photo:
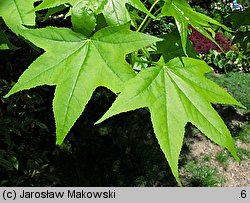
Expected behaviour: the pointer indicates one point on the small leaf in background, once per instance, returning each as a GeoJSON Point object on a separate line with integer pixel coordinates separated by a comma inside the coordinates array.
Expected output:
{"type": "Point", "coordinates": [51, 4]}
{"type": "Point", "coordinates": [140, 63]}
{"type": "Point", "coordinates": [176, 93]}
{"type": "Point", "coordinates": [14, 13]}
{"type": "Point", "coordinates": [53, 11]}
{"type": "Point", "coordinates": [6, 164]}
{"type": "Point", "coordinates": [83, 19]}
{"type": "Point", "coordinates": [135, 17]}
{"type": "Point", "coordinates": [77, 66]}
{"type": "Point", "coordinates": [171, 47]}
{"type": "Point", "coordinates": [4, 42]}
{"type": "Point", "coordinates": [14, 162]}
{"type": "Point", "coordinates": [184, 15]}
{"type": "Point", "coordinates": [239, 18]}
{"type": "Point", "coordinates": [115, 12]}
{"type": "Point", "coordinates": [243, 38]}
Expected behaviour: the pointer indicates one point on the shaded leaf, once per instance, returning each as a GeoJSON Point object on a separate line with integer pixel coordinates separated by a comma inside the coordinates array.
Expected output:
{"type": "Point", "coordinates": [83, 19]}
{"type": "Point", "coordinates": [7, 165]}
{"type": "Point", "coordinates": [239, 18]}
{"type": "Point", "coordinates": [4, 42]}
{"type": "Point", "coordinates": [52, 11]}
{"type": "Point", "coordinates": [243, 38]}
{"type": "Point", "coordinates": [171, 47]}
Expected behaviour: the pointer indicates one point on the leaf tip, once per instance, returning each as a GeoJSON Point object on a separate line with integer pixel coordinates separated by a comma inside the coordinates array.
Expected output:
{"type": "Point", "coordinates": [241, 105]}
{"type": "Point", "coordinates": [7, 95]}
{"type": "Point", "coordinates": [59, 142]}
{"type": "Point", "coordinates": [59, 139]}
{"type": "Point", "coordinates": [178, 181]}
{"type": "Point", "coordinates": [99, 121]}
{"type": "Point", "coordinates": [236, 157]}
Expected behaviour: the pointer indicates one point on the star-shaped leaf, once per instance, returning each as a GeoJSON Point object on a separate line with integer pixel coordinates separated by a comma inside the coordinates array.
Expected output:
{"type": "Point", "coordinates": [184, 15]}
{"type": "Point", "coordinates": [77, 65]}
{"type": "Point", "coordinates": [14, 13]}
{"type": "Point", "coordinates": [176, 93]}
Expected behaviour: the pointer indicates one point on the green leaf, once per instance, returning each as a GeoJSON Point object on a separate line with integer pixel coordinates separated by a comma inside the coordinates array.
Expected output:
{"type": "Point", "coordinates": [6, 164]}
{"type": "Point", "coordinates": [114, 11]}
{"type": "Point", "coordinates": [51, 4]}
{"type": "Point", "coordinates": [171, 47]}
{"type": "Point", "coordinates": [77, 65]}
{"type": "Point", "coordinates": [239, 18]}
{"type": "Point", "coordinates": [52, 11]}
{"type": "Point", "coordinates": [243, 38]}
{"type": "Point", "coordinates": [14, 13]}
{"type": "Point", "coordinates": [176, 93]}
{"type": "Point", "coordinates": [4, 42]}
{"type": "Point", "coordinates": [83, 19]}
{"type": "Point", "coordinates": [97, 6]}
{"type": "Point", "coordinates": [184, 15]}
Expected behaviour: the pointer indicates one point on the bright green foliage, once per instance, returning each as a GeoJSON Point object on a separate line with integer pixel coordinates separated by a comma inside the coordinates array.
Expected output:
{"type": "Point", "coordinates": [80, 60]}
{"type": "Point", "coordinates": [77, 66]}
{"type": "Point", "coordinates": [83, 19]}
{"type": "Point", "coordinates": [14, 13]}
{"type": "Point", "coordinates": [51, 4]}
{"type": "Point", "coordinates": [184, 15]}
{"type": "Point", "coordinates": [53, 11]}
{"type": "Point", "coordinates": [114, 11]}
{"type": "Point", "coordinates": [176, 93]}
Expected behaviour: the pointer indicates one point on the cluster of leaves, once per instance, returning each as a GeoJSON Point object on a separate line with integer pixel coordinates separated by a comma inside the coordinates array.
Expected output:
{"type": "Point", "coordinates": [237, 58]}
{"type": "Point", "coordinates": [22, 126]}
{"type": "Point", "coordinates": [237, 20]}
{"type": "Point", "coordinates": [95, 51]}
{"type": "Point", "coordinates": [241, 24]}
{"type": "Point", "coordinates": [230, 61]}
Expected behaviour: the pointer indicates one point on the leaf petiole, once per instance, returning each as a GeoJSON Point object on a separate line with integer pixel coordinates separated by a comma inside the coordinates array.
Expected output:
{"type": "Point", "coordinates": [147, 16]}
